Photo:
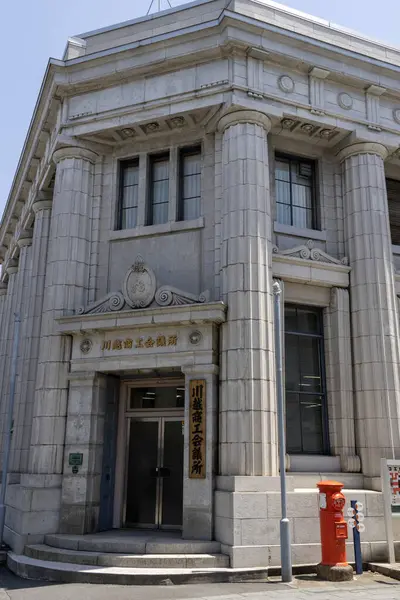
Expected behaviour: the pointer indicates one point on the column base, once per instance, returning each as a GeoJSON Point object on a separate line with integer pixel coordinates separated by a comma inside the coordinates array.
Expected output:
{"type": "Point", "coordinates": [335, 572]}
{"type": "Point", "coordinates": [33, 510]}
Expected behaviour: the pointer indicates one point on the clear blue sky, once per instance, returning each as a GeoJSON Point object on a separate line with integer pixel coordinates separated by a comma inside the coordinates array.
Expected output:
{"type": "Point", "coordinates": [34, 30]}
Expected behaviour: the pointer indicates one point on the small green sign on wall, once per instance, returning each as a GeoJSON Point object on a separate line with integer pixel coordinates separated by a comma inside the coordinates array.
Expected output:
{"type": "Point", "coordinates": [75, 459]}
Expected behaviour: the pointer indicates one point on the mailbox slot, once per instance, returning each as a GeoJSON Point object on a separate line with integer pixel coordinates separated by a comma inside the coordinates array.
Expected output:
{"type": "Point", "coordinates": [341, 531]}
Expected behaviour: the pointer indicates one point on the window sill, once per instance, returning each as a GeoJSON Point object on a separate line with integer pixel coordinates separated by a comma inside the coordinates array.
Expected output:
{"type": "Point", "coordinates": [149, 230]}
{"type": "Point", "coordinates": [395, 250]}
{"type": "Point", "coordinates": [310, 234]}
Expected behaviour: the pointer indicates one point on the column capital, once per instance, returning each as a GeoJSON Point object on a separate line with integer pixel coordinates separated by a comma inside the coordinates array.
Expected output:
{"type": "Point", "coordinates": [244, 116]}
{"type": "Point", "coordinates": [363, 148]}
{"type": "Point", "coordinates": [74, 152]}
{"type": "Point", "coordinates": [11, 266]}
{"type": "Point", "coordinates": [24, 237]}
{"type": "Point", "coordinates": [43, 201]}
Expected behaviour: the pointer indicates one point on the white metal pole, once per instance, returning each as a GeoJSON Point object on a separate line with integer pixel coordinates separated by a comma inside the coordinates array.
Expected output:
{"type": "Point", "coordinates": [286, 555]}
{"type": "Point", "coordinates": [387, 506]}
{"type": "Point", "coordinates": [7, 440]}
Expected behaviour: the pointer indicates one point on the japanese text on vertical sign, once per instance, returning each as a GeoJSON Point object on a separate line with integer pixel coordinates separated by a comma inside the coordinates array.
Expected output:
{"type": "Point", "coordinates": [394, 476]}
{"type": "Point", "coordinates": [197, 429]}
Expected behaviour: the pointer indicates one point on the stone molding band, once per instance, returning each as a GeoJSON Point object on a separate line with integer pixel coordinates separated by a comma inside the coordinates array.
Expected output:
{"type": "Point", "coordinates": [363, 148]}
{"type": "Point", "coordinates": [74, 152]}
{"type": "Point", "coordinates": [244, 116]}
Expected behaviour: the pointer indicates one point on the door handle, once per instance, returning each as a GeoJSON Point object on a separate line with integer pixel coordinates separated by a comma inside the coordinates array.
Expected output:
{"type": "Point", "coordinates": [160, 472]}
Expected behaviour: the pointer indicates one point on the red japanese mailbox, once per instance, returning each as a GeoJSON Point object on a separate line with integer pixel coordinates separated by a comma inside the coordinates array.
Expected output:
{"type": "Point", "coordinates": [334, 565]}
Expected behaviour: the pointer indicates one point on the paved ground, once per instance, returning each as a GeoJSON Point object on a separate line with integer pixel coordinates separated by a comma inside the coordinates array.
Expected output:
{"type": "Point", "coordinates": [367, 587]}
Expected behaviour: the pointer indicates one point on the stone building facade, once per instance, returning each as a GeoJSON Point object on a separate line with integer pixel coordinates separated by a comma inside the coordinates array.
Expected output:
{"type": "Point", "coordinates": [175, 166]}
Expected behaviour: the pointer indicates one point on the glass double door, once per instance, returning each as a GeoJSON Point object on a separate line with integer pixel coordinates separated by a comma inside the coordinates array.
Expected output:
{"type": "Point", "coordinates": [154, 487]}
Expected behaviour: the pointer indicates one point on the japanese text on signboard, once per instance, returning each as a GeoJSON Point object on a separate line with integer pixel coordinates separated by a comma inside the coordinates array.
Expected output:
{"type": "Point", "coordinates": [394, 477]}
{"type": "Point", "coordinates": [158, 341]}
{"type": "Point", "coordinates": [197, 429]}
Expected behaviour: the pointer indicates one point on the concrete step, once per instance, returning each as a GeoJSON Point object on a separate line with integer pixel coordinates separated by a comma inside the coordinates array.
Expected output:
{"type": "Point", "coordinates": [43, 570]}
{"type": "Point", "coordinates": [135, 561]}
{"type": "Point", "coordinates": [131, 544]}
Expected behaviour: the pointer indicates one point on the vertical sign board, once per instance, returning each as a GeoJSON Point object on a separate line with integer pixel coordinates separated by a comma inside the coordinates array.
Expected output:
{"type": "Point", "coordinates": [197, 429]}
{"type": "Point", "coordinates": [394, 479]}
{"type": "Point", "coordinates": [390, 476]}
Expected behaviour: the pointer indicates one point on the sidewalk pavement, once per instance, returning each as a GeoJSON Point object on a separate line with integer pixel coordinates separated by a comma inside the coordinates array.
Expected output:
{"type": "Point", "coordinates": [371, 586]}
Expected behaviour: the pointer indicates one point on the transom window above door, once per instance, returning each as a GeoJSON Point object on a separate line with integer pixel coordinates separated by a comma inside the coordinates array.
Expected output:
{"type": "Point", "coordinates": [156, 398]}
{"type": "Point", "coordinates": [295, 192]}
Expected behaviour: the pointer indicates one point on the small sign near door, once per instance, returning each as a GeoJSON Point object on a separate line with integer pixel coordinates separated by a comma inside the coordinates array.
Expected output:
{"type": "Point", "coordinates": [197, 429]}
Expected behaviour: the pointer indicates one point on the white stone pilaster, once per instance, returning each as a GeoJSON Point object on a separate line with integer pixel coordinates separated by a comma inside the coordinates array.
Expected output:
{"type": "Point", "coordinates": [339, 380]}
{"type": "Point", "coordinates": [22, 305]}
{"type": "Point", "coordinates": [80, 497]}
{"type": "Point", "coordinates": [248, 444]}
{"type": "Point", "coordinates": [66, 289]}
{"type": "Point", "coordinates": [374, 311]}
{"type": "Point", "coordinates": [372, 95]}
{"type": "Point", "coordinates": [7, 331]}
{"type": "Point", "coordinates": [34, 297]}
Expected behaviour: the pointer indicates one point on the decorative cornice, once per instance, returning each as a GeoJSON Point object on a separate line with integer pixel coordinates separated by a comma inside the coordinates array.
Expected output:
{"type": "Point", "coordinates": [363, 148]}
{"type": "Point", "coordinates": [139, 290]}
{"type": "Point", "coordinates": [74, 152]}
{"type": "Point", "coordinates": [244, 116]}
{"type": "Point", "coordinates": [308, 252]}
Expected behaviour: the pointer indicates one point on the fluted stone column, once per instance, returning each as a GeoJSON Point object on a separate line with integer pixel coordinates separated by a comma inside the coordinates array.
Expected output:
{"type": "Point", "coordinates": [3, 329]}
{"type": "Point", "coordinates": [34, 298]}
{"type": "Point", "coordinates": [66, 287]}
{"type": "Point", "coordinates": [7, 335]}
{"type": "Point", "coordinates": [24, 241]}
{"type": "Point", "coordinates": [339, 380]}
{"type": "Point", "coordinates": [247, 431]}
{"type": "Point", "coordinates": [374, 312]}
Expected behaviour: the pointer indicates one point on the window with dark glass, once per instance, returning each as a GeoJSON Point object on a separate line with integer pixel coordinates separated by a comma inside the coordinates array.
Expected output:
{"type": "Point", "coordinates": [190, 184]}
{"type": "Point", "coordinates": [306, 431]}
{"type": "Point", "coordinates": [393, 195]}
{"type": "Point", "coordinates": [295, 192]}
{"type": "Point", "coordinates": [129, 194]}
{"type": "Point", "coordinates": [159, 190]}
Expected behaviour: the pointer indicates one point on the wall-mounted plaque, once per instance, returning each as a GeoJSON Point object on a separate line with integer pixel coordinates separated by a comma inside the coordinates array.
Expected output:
{"type": "Point", "coordinates": [197, 429]}
{"type": "Point", "coordinates": [75, 459]}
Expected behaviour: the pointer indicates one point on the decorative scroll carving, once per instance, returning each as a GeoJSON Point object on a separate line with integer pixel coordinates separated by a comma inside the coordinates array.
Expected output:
{"type": "Point", "coordinates": [112, 302]}
{"type": "Point", "coordinates": [308, 252]}
{"type": "Point", "coordinates": [350, 464]}
{"type": "Point", "coordinates": [170, 296]}
{"type": "Point", "coordinates": [139, 290]}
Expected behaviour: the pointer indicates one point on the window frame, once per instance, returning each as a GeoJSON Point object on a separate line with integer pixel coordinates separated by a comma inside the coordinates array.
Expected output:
{"type": "Point", "coordinates": [192, 150]}
{"type": "Point", "coordinates": [322, 366]}
{"type": "Point", "coordinates": [388, 181]}
{"type": "Point", "coordinates": [151, 159]}
{"type": "Point", "coordinates": [291, 158]}
{"type": "Point", "coordinates": [123, 165]}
